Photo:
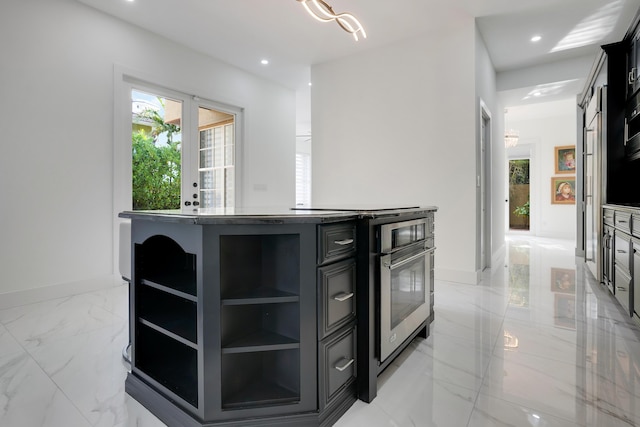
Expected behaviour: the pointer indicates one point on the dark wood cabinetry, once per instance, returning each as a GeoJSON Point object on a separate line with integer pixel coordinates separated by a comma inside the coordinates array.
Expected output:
{"type": "Point", "coordinates": [621, 264]}
{"type": "Point", "coordinates": [610, 164]}
{"type": "Point", "coordinates": [223, 321]}
{"type": "Point", "coordinates": [633, 63]}
{"type": "Point", "coordinates": [254, 319]}
{"type": "Point", "coordinates": [336, 286]}
{"type": "Point", "coordinates": [250, 324]}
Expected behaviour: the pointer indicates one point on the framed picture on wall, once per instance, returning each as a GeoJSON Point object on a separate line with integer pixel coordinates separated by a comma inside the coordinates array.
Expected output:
{"type": "Point", "coordinates": [565, 159]}
{"type": "Point", "coordinates": [563, 190]}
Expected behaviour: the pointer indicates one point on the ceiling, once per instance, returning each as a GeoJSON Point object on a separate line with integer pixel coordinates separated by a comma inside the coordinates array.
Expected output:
{"type": "Point", "coordinates": [242, 32]}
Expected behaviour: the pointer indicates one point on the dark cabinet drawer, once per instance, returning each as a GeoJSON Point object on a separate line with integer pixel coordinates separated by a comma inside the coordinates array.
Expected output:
{"type": "Point", "coordinates": [336, 241]}
{"type": "Point", "coordinates": [336, 296]}
{"type": "Point", "coordinates": [337, 363]}
{"type": "Point", "coordinates": [623, 221]}
{"type": "Point", "coordinates": [622, 250]}
{"type": "Point", "coordinates": [635, 224]}
{"type": "Point", "coordinates": [623, 288]}
{"type": "Point", "coordinates": [608, 216]}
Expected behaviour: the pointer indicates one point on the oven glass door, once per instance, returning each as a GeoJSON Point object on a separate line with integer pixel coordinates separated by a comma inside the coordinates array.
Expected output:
{"type": "Point", "coordinates": [407, 289]}
{"type": "Point", "coordinates": [404, 292]}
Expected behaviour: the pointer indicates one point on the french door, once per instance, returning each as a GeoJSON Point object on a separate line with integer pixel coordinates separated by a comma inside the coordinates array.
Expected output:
{"type": "Point", "coordinates": [183, 150]}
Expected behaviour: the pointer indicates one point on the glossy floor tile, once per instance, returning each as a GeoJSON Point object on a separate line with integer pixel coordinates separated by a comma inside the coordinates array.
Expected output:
{"type": "Point", "coordinates": [537, 343]}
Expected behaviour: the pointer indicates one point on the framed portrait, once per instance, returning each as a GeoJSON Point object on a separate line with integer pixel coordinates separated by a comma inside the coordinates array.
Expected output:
{"type": "Point", "coordinates": [565, 159]}
{"type": "Point", "coordinates": [563, 280]}
{"type": "Point", "coordinates": [565, 311]}
{"type": "Point", "coordinates": [563, 190]}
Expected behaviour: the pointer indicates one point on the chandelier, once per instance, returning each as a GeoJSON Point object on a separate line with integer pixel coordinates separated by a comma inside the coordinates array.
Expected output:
{"type": "Point", "coordinates": [324, 13]}
{"type": "Point", "coordinates": [510, 136]}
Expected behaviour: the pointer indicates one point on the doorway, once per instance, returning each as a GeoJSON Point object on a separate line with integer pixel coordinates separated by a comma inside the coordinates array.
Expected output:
{"type": "Point", "coordinates": [519, 194]}
{"type": "Point", "coordinates": [483, 190]}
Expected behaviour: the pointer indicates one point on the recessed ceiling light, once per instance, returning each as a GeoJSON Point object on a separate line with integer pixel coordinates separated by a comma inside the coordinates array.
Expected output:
{"type": "Point", "coordinates": [536, 38]}
{"type": "Point", "coordinates": [265, 62]}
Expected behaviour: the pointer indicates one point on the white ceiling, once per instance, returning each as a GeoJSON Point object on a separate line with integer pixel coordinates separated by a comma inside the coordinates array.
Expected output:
{"type": "Point", "coordinates": [242, 32]}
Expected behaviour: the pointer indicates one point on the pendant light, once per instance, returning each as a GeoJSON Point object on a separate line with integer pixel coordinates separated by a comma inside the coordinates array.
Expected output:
{"type": "Point", "coordinates": [510, 136]}
{"type": "Point", "coordinates": [324, 13]}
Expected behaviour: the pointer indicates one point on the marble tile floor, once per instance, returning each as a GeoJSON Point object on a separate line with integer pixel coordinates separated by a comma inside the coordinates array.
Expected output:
{"type": "Point", "coordinates": [537, 343]}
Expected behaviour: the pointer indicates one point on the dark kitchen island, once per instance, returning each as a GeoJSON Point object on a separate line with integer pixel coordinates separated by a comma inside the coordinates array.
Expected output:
{"type": "Point", "coordinates": [252, 317]}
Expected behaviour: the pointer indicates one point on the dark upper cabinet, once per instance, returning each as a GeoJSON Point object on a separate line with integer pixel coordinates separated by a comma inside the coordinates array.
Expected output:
{"type": "Point", "coordinates": [633, 64]}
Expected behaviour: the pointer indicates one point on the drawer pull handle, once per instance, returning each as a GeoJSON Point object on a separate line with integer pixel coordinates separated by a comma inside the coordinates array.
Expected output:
{"type": "Point", "coordinates": [620, 251]}
{"type": "Point", "coordinates": [621, 289]}
{"type": "Point", "coordinates": [622, 222]}
{"type": "Point", "coordinates": [345, 364]}
{"type": "Point", "coordinates": [343, 296]}
{"type": "Point", "coordinates": [343, 242]}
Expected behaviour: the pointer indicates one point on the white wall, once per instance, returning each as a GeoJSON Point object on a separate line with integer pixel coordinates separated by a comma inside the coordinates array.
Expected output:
{"type": "Point", "coordinates": [397, 125]}
{"type": "Point", "coordinates": [486, 90]}
{"type": "Point", "coordinates": [542, 127]}
{"type": "Point", "coordinates": [56, 113]}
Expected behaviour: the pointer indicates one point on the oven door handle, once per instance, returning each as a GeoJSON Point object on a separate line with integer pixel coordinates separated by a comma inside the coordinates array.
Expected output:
{"type": "Point", "coordinates": [392, 266]}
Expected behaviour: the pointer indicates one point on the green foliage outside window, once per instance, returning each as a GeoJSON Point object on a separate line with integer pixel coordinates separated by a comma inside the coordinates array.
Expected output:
{"type": "Point", "coordinates": [156, 168]}
{"type": "Point", "coordinates": [518, 172]}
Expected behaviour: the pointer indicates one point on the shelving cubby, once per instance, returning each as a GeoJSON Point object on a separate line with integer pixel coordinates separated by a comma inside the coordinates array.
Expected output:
{"type": "Point", "coordinates": [165, 310]}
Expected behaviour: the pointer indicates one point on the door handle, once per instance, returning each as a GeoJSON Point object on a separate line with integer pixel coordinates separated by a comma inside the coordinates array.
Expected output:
{"type": "Point", "coordinates": [391, 266]}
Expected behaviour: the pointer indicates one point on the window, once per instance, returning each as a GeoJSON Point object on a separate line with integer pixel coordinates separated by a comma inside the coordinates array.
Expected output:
{"type": "Point", "coordinates": [217, 169]}
{"type": "Point", "coordinates": [303, 171]}
{"type": "Point", "coordinates": [178, 151]}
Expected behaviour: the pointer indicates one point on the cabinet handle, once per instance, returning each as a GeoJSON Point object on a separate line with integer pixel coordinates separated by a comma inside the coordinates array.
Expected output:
{"type": "Point", "coordinates": [343, 296]}
{"type": "Point", "coordinates": [626, 132]}
{"type": "Point", "coordinates": [345, 364]}
{"type": "Point", "coordinates": [632, 75]}
{"type": "Point", "coordinates": [620, 251]}
{"type": "Point", "coordinates": [621, 289]}
{"type": "Point", "coordinates": [622, 221]}
{"type": "Point", "coordinates": [343, 242]}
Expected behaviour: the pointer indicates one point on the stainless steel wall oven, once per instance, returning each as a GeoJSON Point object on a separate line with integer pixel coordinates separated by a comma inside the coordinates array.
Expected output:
{"type": "Point", "coordinates": [405, 273]}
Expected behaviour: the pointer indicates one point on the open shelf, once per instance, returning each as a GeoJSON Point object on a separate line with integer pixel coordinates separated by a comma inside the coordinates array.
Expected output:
{"type": "Point", "coordinates": [274, 262]}
{"type": "Point", "coordinates": [170, 363]}
{"type": "Point", "coordinates": [166, 312]}
{"type": "Point", "coordinates": [258, 295]}
{"type": "Point", "coordinates": [260, 340]}
{"type": "Point", "coordinates": [260, 379]}
{"type": "Point", "coordinates": [161, 261]}
{"type": "Point", "coordinates": [260, 325]}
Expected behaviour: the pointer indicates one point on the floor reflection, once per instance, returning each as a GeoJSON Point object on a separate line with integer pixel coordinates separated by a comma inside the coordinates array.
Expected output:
{"type": "Point", "coordinates": [536, 343]}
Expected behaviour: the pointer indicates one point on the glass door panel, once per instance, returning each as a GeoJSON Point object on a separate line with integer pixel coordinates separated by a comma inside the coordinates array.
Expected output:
{"type": "Point", "coordinates": [156, 138]}
{"type": "Point", "coordinates": [216, 158]}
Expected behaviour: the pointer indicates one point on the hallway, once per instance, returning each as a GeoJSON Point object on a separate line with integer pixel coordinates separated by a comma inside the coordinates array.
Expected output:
{"type": "Point", "coordinates": [535, 344]}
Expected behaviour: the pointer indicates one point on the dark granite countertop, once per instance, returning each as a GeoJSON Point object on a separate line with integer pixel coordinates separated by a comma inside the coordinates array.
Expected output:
{"type": "Point", "coordinates": [271, 215]}
{"type": "Point", "coordinates": [631, 207]}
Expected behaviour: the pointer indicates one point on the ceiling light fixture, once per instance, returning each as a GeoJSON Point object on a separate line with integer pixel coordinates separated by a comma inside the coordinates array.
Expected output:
{"type": "Point", "coordinates": [536, 38]}
{"type": "Point", "coordinates": [511, 136]}
{"type": "Point", "coordinates": [324, 13]}
{"type": "Point", "coordinates": [265, 62]}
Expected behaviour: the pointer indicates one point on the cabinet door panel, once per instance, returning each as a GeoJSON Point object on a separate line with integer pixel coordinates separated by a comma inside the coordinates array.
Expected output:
{"type": "Point", "coordinates": [336, 296]}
